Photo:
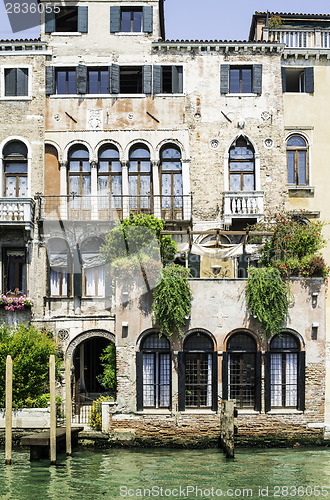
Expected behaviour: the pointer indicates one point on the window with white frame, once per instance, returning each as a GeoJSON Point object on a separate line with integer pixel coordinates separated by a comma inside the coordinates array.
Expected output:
{"type": "Point", "coordinates": [297, 160]}
{"type": "Point", "coordinates": [93, 265]}
{"type": "Point", "coordinates": [16, 82]}
{"type": "Point", "coordinates": [59, 259]}
{"type": "Point", "coordinates": [15, 167]}
{"type": "Point", "coordinates": [284, 351]}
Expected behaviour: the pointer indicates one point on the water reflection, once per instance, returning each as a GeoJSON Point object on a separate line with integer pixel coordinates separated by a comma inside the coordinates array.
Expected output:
{"type": "Point", "coordinates": [109, 474]}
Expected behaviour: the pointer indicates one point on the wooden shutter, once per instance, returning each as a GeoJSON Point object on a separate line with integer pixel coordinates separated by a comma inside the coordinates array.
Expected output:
{"type": "Point", "coordinates": [114, 19]}
{"type": "Point", "coordinates": [267, 381]}
{"type": "Point", "coordinates": [139, 381]}
{"type": "Point", "coordinates": [50, 80]}
{"type": "Point", "coordinates": [146, 79]}
{"type": "Point", "coordinates": [301, 380]}
{"type": "Point", "coordinates": [194, 264]}
{"type": "Point", "coordinates": [115, 79]}
{"type": "Point", "coordinates": [215, 381]}
{"type": "Point", "coordinates": [283, 72]}
{"type": "Point", "coordinates": [225, 375]}
{"type": "Point", "coordinates": [83, 19]}
{"type": "Point", "coordinates": [309, 79]}
{"type": "Point", "coordinates": [181, 381]}
{"type": "Point", "coordinates": [147, 18]}
{"type": "Point", "coordinates": [22, 75]}
{"type": "Point", "coordinates": [170, 406]}
{"type": "Point", "coordinates": [157, 79]}
{"type": "Point", "coordinates": [258, 382]}
{"type": "Point", "coordinates": [10, 82]}
{"type": "Point", "coordinates": [109, 81]}
{"type": "Point", "coordinates": [77, 282]}
{"type": "Point", "coordinates": [49, 21]}
{"type": "Point", "coordinates": [177, 80]}
{"type": "Point", "coordinates": [257, 79]}
{"type": "Point", "coordinates": [224, 78]}
{"type": "Point", "coordinates": [81, 79]}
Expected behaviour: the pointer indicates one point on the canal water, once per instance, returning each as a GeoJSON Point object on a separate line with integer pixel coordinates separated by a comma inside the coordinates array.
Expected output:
{"type": "Point", "coordinates": [166, 473]}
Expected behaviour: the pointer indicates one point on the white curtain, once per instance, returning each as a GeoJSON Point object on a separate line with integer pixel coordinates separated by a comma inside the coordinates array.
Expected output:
{"type": "Point", "coordinates": [148, 380]}
{"type": "Point", "coordinates": [55, 278]}
{"type": "Point", "coordinates": [209, 380]}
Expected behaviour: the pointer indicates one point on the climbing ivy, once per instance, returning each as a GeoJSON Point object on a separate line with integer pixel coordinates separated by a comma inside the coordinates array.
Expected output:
{"type": "Point", "coordinates": [267, 297]}
{"type": "Point", "coordinates": [172, 300]}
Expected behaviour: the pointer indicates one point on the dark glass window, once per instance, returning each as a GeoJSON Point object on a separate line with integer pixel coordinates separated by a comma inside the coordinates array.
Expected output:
{"type": "Point", "coordinates": [109, 178]}
{"type": "Point", "coordinates": [131, 19]}
{"type": "Point", "coordinates": [16, 82]}
{"type": "Point", "coordinates": [198, 348]}
{"type": "Point", "coordinates": [284, 350]}
{"type": "Point", "coordinates": [240, 80]}
{"type": "Point", "coordinates": [171, 182]}
{"type": "Point", "coordinates": [14, 269]}
{"type": "Point", "coordinates": [67, 19]}
{"type": "Point", "coordinates": [172, 79]}
{"type": "Point", "coordinates": [156, 371]}
{"type": "Point", "coordinates": [297, 164]}
{"type": "Point", "coordinates": [242, 351]}
{"type": "Point", "coordinates": [131, 80]}
{"type": "Point", "coordinates": [15, 170]}
{"type": "Point", "coordinates": [139, 178]}
{"type": "Point", "coordinates": [241, 166]}
{"type": "Point", "coordinates": [98, 81]}
{"type": "Point", "coordinates": [66, 81]}
{"type": "Point", "coordinates": [79, 182]}
{"type": "Point", "coordinates": [295, 80]}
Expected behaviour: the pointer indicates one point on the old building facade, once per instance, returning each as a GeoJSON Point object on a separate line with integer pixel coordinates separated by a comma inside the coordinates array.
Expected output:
{"type": "Point", "coordinates": [117, 119]}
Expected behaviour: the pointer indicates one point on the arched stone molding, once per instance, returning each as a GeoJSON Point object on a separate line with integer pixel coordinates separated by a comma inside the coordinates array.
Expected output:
{"type": "Point", "coordinates": [77, 142]}
{"type": "Point", "coordinates": [12, 138]}
{"type": "Point", "coordinates": [200, 330]}
{"type": "Point", "coordinates": [82, 337]}
{"type": "Point", "coordinates": [112, 143]}
{"type": "Point", "coordinates": [256, 162]}
{"type": "Point", "coordinates": [294, 333]}
{"type": "Point", "coordinates": [241, 330]}
{"type": "Point", "coordinates": [144, 334]}
{"type": "Point", "coordinates": [171, 141]}
{"type": "Point", "coordinates": [58, 149]}
{"type": "Point", "coordinates": [139, 141]}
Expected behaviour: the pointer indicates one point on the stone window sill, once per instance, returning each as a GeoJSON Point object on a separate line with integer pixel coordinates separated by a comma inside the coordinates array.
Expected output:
{"type": "Point", "coordinates": [240, 411]}
{"type": "Point", "coordinates": [301, 191]}
{"type": "Point", "coordinates": [285, 411]}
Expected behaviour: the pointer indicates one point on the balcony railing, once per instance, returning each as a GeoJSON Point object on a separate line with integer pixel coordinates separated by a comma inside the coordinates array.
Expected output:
{"type": "Point", "coordinates": [298, 38]}
{"type": "Point", "coordinates": [109, 208]}
{"type": "Point", "coordinates": [16, 210]}
{"type": "Point", "coordinates": [243, 204]}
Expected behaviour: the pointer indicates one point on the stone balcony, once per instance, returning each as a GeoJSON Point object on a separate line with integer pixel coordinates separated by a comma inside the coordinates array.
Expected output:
{"type": "Point", "coordinates": [302, 38]}
{"type": "Point", "coordinates": [17, 211]}
{"type": "Point", "coordinates": [243, 204]}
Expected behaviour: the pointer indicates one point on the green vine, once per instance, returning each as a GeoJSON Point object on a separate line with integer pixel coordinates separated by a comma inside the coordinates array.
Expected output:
{"type": "Point", "coordinates": [172, 300]}
{"type": "Point", "coordinates": [267, 297]}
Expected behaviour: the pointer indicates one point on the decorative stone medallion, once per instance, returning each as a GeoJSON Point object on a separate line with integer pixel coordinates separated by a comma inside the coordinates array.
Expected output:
{"type": "Point", "coordinates": [214, 143]}
{"type": "Point", "coordinates": [265, 115]}
{"type": "Point", "coordinates": [57, 117]}
{"type": "Point", "coordinates": [94, 119]}
{"type": "Point", "coordinates": [63, 335]}
{"type": "Point", "coordinates": [269, 143]}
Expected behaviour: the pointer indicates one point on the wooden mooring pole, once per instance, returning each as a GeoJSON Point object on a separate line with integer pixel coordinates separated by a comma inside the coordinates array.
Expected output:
{"type": "Point", "coordinates": [52, 410]}
{"type": "Point", "coordinates": [68, 406]}
{"type": "Point", "coordinates": [227, 427]}
{"type": "Point", "coordinates": [9, 409]}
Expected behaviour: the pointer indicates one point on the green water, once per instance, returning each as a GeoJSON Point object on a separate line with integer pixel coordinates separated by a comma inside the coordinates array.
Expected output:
{"type": "Point", "coordinates": [122, 473]}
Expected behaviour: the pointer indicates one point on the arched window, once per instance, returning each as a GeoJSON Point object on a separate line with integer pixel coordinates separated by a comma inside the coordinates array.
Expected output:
{"type": "Point", "coordinates": [79, 170]}
{"type": "Point", "coordinates": [242, 371]}
{"type": "Point", "coordinates": [15, 170]}
{"type": "Point", "coordinates": [139, 179]}
{"type": "Point", "coordinates": [297, 160]}
{"type": "Point", "coordinates": [93, 266]}
{"type": "Point", "coordinates": [241, 166]}
{"type": "Point", "coordinates": [284, 361]}
{"type": "Point", "coordinates": [153, 366]}
{"type": "Point", "coordinates": [59, 259]}
{"type": "Point", "coordinates": [171, 182]}
{"type": "Point", "coordinates": [109, 178]}
{"type": "Point", "coordinates": [198, 373]}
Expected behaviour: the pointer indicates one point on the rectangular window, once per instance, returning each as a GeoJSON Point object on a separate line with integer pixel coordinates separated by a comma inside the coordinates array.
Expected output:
{"type": "Point", "coordinates": [172, 79]}
{"type": "Point", "coordinates": [298, 80]}
{"type": "Point", "coordinates": [95, 282]}
{"type": "Point", "coordinates": [131, 80]}
{"type": "Point", "coordinates": [14, 269]}
{"type": "Point", "coordinates": [240, 80]}
{"type": "Point", "coordinates": [58, 283]}
{"type": "Point", "coordinates": [66, 81]}
{"type": "Point", "coordinates": [156, 380]}
{"type": "Point", "coordinates": [67, 20]}
{"type": "Point", "coordinates": [131, 19]}
{"type": "Point", "coordinates": [16, 82]}
{"type": "Point", "coordinates": [98, 81]}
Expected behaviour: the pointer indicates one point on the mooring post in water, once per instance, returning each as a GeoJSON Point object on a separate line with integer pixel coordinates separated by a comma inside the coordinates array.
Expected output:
{"type": "Point", "coordinates": [227, 427]}
{"type": "Point", "coordinates": [52, 410]}
{"type": "Point", "coordinates": [68, 406]}
{"type": "Point", "coordinates": [9, 408]}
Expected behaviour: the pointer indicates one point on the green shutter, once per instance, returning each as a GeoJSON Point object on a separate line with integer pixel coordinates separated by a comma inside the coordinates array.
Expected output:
{"type": "Point", "coordinates": [147, 19]}
{"type": "Point", "coordinates": [309, 80]}
{"type": "Point", "coordinates": [157, 80]}
{"type": "Point", "coordinates": [224, 376]}
{"type": "Point", "coordinates": [50, 80]}
{"type": "Point", "coordinates": [194, 264]}
{"type": "Point", "coordinates": [267, 381]}
{"type": "Point", "coordinates": [301, 380]}
{"type": "Point", "coordinates": [224, 78]}
{"type": "Point", "coordinates": [146, 79]}
{"type": "Point", "coordinates": [114, 19]}
{"type": "Point", "coordinates": [139, 381]}
{"type": "Point", "coordinates": [115, 79]}
{"type": "Point", "coordinates": [49, 21]}
{"type": "Point", "coordinates": [181, 381]}
{"type": "Point", "coordinates": [83, 19]}
{"type": "Point", "coordinates": [10, 82]}
{"type": "Point", "coordinates": [81, 79]}
{"type": "Point", "coordinates": [177, 80]}
{"type": "Point", "coordinates": [257, 79]}
{"type": "Point", "coordinates": [258, 382]}
{"type": "Point", "coordinates": [283, 73]}
{"type": "Point", "coordinates": [215, 381]}
{"type": "Point", "coordinates": [22, 81]}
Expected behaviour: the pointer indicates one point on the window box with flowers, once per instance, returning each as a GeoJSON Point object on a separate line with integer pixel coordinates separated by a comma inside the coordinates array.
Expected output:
{"type": "Point", "coordinates": [15, 302]}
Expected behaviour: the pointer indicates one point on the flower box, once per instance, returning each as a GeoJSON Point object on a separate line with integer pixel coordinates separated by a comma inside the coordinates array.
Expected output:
{"type": "Point", "coordinates": [16, 301]}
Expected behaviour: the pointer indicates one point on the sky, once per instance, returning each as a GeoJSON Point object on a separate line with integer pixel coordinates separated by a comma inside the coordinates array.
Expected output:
{"type": "Point", "coordinates": [202, 19]}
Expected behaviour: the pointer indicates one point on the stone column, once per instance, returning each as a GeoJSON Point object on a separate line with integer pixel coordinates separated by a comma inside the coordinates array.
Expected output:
{"type": "Point", "coordinates": [124, 166]}
{"type": "Point", "coordinates": [63, 190]}
{"type": "Point", "coordinates": [156, 189]}
{"type": "Point", "coordinates": [94, 200]}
